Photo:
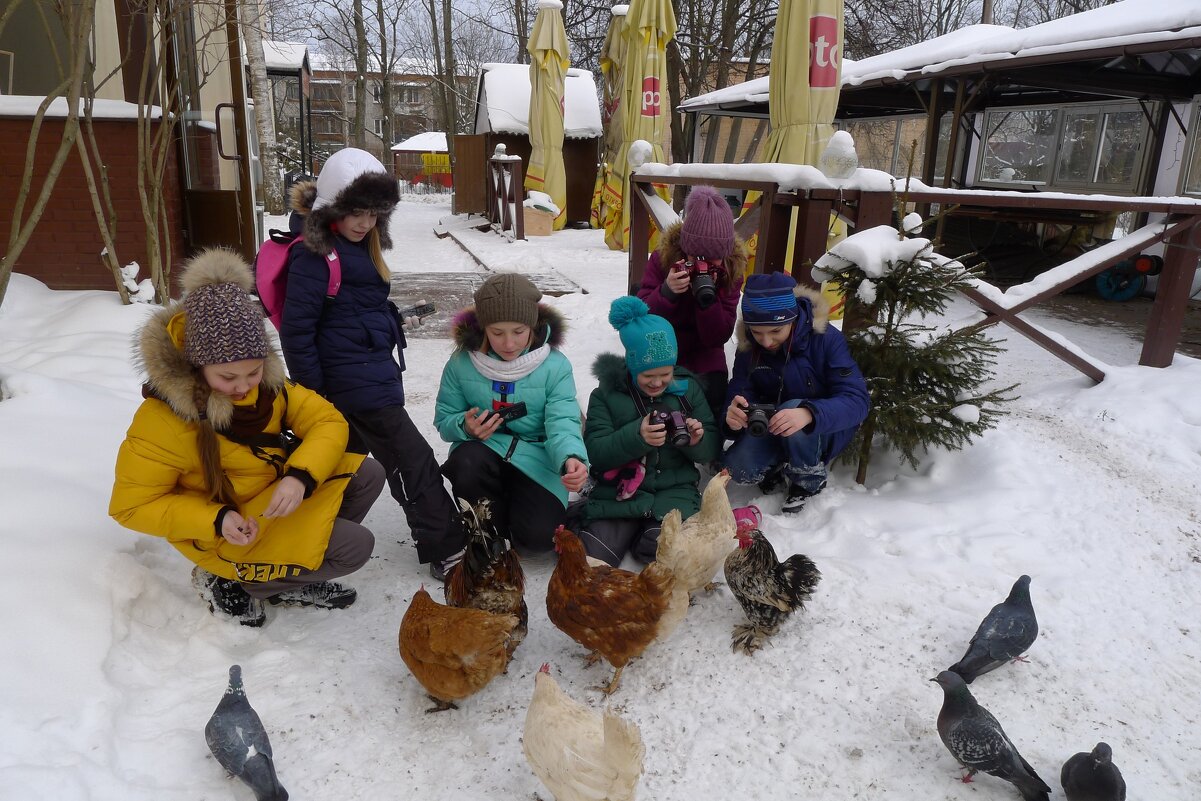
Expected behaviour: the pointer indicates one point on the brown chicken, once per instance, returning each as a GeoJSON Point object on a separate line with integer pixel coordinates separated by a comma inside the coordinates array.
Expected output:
{"type": "Point", "coordinates": [489, 576]}
{"type": "Point", "coordinates": [613, 613]}
{"type": "Point", "coordinates": [453, 652]}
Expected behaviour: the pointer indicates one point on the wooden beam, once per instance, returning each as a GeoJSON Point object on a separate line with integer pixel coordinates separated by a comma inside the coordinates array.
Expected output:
{"type": "Point", "coordinates": [1171, 297]}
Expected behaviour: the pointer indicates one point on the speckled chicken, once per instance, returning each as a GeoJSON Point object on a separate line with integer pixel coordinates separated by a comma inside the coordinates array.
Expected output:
{"type": "Point", "coordinates": [768, 590]}
{"type": "Point", "coordinates": [453, 652]}
{"type": "Point", "coordinates": [612, 612]}
{"type": "Point", "coordinates": [695, 548]}
{"type": "Point", "coordinates": [489, 576]}
{"type": "Point", "coordinates": [578, 753]}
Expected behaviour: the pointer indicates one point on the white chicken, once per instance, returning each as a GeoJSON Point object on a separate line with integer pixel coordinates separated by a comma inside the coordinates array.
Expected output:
{"type": "Point", "coordinates": [578, 754]}
{"type": "Point", "coordinates": [696, 548]}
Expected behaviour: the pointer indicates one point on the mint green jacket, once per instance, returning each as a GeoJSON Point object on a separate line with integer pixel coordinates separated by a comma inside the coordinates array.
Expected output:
{"type": "Point", "coordinates": [549, 434]}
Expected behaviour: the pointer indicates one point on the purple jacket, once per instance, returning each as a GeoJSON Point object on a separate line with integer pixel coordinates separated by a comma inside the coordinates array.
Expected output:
{"type": "Point", "coordinates": [702, 335]}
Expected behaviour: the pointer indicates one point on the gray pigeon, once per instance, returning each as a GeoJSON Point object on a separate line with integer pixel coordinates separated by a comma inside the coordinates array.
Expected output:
{"type": "Point", "coordinates": [1008, 630]}
{"type": "Point", "coordinates": [1093, 777]}
{"type": "Point", "coordinates": [976, 739]}
{"type": "Point", "coordinates": [239, 742]}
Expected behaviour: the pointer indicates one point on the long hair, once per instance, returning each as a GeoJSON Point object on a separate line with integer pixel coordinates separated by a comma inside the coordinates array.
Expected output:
{"type": "Point", "coordinates": [377, 255]}
{"type": "Point", "coordinates": [215, 481]}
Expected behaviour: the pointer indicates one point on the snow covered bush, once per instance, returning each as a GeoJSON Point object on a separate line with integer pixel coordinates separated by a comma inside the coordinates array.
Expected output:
{"type": "Point", "coordinates": [927, 379]}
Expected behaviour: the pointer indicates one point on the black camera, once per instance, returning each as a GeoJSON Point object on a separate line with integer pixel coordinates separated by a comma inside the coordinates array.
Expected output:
{"type": "Point", "coordinates": [675, 424]}
{"type": "Point", "coordinates": [704, 280]}
{"type": "Point", "coordinates": [511, 412]}
{"type": "Point", "coordinates": [757, 417]}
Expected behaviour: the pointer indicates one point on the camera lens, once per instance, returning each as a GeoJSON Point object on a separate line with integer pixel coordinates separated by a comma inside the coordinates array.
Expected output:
{"type": "Point", "coordinates": [756, 422]}
{"type": "Point", "coordinates": [704, 291]}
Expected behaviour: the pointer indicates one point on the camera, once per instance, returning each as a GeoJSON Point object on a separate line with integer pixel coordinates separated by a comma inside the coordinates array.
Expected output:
{"type": "Point", "coordinates": [757, 417]}
{"type": "Point", "coordinates": [704, 275]}
{"type": "Point", "coordinates": [510, 412]}
{"type": "Point", "coordinates": [675, 424]}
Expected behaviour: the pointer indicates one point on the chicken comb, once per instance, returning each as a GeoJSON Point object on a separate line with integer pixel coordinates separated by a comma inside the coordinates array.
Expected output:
{"type": "Point", "coordinates": [545, 668]}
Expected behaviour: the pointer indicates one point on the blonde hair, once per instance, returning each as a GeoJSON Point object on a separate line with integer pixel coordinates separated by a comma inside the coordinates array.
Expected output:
{"type": "Point", "coordinates": [377, 255]}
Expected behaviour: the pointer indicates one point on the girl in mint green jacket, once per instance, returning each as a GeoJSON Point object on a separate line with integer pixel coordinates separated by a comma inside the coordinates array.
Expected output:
{"type": "Point", "coordinates": [507, 404]}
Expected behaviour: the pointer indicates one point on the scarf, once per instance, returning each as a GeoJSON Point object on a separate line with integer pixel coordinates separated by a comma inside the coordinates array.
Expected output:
{"type": "Point", "coordinates": [500, 370]}
{"type": "Point", "coordinates": [250, 419]}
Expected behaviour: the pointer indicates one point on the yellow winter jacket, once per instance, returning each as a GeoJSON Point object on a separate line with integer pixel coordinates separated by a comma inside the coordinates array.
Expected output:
{"type": "Point", "coordinates": [159, 487]}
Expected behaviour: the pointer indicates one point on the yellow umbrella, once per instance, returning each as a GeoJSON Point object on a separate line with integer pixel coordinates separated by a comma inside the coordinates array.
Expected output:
{"type": "Point", "coordinates": [803, 92]}
{"type": "Point", "coordinates": [645, 103]}
{"type": "Point", "coordinates": [548, 66]}
{"type": "Point", "coordinates": [612, 57]}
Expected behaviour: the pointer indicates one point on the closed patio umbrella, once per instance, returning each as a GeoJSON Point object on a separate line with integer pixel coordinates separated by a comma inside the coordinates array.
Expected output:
{"type": "Point", "coordinates": [612, 58]}
{"type": "Point", "coordinates": [549, 61]}
{"type": "Point", "coordinates": [645, 102]}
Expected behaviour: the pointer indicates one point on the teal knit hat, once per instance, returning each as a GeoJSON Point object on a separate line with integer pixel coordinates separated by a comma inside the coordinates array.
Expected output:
{"type": "Point", "coordinates": [649, 340]}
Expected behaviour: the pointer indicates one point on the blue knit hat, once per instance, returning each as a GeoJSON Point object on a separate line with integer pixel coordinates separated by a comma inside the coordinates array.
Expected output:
{"type": "Point", "coordinates": [649, 340]}
{"type": "Point", "coordinates": [768, 299]}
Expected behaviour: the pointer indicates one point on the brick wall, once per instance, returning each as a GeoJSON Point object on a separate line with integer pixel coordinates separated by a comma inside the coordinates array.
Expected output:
{"type": "Point", "coordinates": [64, 251]}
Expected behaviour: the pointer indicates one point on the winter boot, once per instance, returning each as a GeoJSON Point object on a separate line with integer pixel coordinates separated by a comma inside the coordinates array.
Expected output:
{"type": "Point", "coordinates": [773, 481]}
{"type": "Point", "coordinates": [797, 496]}
{"type": "Point", "coordinates": [226, 597]}
{"type": "Point", "coordinates": [440, 568]}
{"type": "Point", "coordinates": [320, 595]}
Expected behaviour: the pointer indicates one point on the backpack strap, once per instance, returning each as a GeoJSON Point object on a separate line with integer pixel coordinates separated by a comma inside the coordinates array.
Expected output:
{"type": "Point", "coordinates": [332, 261]}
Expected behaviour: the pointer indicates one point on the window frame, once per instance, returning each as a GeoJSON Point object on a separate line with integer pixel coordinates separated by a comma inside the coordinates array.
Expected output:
{"type": "Point", "coordinates": [1192, 150]}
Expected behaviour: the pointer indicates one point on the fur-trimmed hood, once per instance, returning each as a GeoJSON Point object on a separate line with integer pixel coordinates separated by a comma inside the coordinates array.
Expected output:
{"type": "Point", "coordinates": [812, 305]}
{"type": "Point", "coordinates": [368, 191]}
{"type": "Point", "coordinates": [610, 370]}
{"type": "Point", "coordinates": [670, 252]}
{"type": "Point", "coordinates": [468, 334]}
{"type": "Point", "coordinates": [173, 380]}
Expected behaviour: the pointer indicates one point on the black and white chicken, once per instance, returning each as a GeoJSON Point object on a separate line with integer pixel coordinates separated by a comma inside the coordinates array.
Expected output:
{"type": "Point", "coordinates": [768, 590]}
{"type": "Point", "coordinates": [489, 576]}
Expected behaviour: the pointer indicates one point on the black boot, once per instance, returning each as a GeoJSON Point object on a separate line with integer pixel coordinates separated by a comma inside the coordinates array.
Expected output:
{"type": "Point", "coordinates": [226, 597]}
{"type": "Point", "coordinates": [320, 594]}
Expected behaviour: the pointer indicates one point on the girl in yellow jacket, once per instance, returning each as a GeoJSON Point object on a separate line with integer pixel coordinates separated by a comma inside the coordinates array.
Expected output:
{"type": "Point", "coordinates": [244, 473]}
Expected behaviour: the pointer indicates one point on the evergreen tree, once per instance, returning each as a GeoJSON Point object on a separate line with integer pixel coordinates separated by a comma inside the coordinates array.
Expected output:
{"type": "Point", "coordinates": [926, 380]}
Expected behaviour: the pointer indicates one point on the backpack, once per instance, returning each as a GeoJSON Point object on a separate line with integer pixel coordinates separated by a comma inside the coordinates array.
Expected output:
{"type": "Point", "coordinates": [271, 273]}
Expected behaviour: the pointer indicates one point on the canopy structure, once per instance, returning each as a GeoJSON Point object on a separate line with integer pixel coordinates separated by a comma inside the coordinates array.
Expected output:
{"type": "Point", "coordinates": [612, 60]}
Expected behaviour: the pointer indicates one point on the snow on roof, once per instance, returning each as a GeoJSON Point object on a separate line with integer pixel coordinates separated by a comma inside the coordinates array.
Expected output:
{"type": "Point", "coordinates": [1127, 23]}
{"type": "Point", "coordinates": [428, 142]}
{"type": "Point", "coordinates": [284, 55]}
{"type": "Point", "coordinates": [344, 63]}
{"type": "Point", "coordinates": [506, 90]}
{"type": "Point", "coordinates": [27, 106]}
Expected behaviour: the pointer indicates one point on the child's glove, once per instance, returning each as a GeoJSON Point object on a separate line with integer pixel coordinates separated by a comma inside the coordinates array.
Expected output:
{"type": "Point", "coordinates": [629, 478]}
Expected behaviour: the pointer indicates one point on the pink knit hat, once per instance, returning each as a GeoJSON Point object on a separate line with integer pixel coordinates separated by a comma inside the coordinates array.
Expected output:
{"type": "Point", "coordinates": [708, 229]}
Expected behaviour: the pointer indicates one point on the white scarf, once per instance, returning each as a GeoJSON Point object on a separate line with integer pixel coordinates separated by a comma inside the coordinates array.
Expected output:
{"type": "Point", "coordinates": [501, 370]}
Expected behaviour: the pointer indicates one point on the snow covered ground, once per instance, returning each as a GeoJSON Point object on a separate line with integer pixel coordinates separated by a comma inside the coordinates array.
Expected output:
{"type": "Point", "coordinates": [113, 664]}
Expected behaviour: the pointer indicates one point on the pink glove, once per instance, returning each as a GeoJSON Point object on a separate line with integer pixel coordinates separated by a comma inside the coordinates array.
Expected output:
{"type": "Point", "coordinates": [630, 475]}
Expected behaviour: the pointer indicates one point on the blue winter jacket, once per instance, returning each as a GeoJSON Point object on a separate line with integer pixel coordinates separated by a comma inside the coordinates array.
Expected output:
{"type": "Point", "coordinates": [343, 347]}
{"type": "Point", "coordinates": [816, 368]}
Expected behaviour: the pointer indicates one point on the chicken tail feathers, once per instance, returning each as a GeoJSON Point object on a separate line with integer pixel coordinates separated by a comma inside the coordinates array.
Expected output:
{"type": "Point", "coordinates": [800, 576]}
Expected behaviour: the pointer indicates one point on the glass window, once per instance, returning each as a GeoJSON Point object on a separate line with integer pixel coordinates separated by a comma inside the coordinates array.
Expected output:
{"type": "Point", "coordinates": [1191, 185]}
{"type": "Point", "coordinates": [376, 92]}
{"type": "Point", "coordinates": [1076, 147]}
{"type": "Point", "coordinates": [1122, 135]}
{"type": "Point", "coordinates": [1018, 145]}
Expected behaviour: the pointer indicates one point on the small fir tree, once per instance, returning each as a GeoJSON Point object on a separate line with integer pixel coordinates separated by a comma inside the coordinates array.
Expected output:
{"type": "Point", "coordinates": [926, 380]}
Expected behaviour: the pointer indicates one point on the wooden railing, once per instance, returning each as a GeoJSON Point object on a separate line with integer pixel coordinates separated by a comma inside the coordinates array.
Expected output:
{"type": "Point", "coordinates": [505, 190]}
{"type": "Point", "coordinates": [1180, 229]}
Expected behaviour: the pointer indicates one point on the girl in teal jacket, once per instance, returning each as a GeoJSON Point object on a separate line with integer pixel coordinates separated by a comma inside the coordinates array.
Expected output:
{"type": "Point", "coordinates": [648, 426]}
{"type": "Point", "coordinates": [507, 404]}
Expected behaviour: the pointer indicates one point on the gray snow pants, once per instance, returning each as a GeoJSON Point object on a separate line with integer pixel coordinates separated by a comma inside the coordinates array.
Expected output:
{"type": "Point", "coordinates": [609, 539]}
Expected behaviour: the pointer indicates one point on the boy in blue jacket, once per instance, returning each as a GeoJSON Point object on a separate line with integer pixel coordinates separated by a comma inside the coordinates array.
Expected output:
{"type": "Point", "coordinates": [796, 396]}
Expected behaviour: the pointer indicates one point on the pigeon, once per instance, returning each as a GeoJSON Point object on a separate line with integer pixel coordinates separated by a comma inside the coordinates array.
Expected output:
{"type": "Point", "coordinates": [1008, 630]}
{"type": "Point", "coordinates": [239, 742]}
{"type": "Point", "coordinates": [976, 739]}
{"type": "Point", "coordinates": [1093, 777]}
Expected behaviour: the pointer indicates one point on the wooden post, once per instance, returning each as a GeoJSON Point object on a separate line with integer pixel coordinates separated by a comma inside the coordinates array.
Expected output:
{"type": "Point", "coordinates": [640, 235]}
{"type": "Point", "coordinates": [1171, 297]}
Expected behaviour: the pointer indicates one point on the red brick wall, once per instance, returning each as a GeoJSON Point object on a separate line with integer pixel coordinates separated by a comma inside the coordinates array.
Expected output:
{"type": "Point", "coordinates": [64, 251]}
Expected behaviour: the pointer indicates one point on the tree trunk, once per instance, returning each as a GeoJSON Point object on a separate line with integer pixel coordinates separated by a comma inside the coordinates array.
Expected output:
{"type": "Point", "coordinates": [359, 135]}
{"type": "Point", "coordinates": [865, 448]}
{"type": "Point", "coordinates": [452, 88]}
{"type": "Point", "coordinates": [439, 73]}
{"type": "Point", "coordinates": [79, 34]}
{"type": "Point", "coordinates": [385, 87]}
{"type": "Point", "coordinates": [264, 117]}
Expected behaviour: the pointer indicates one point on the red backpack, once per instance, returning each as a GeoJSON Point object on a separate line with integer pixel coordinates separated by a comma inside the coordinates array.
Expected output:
{"type": "Point", "coordinates": [271, 273]}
